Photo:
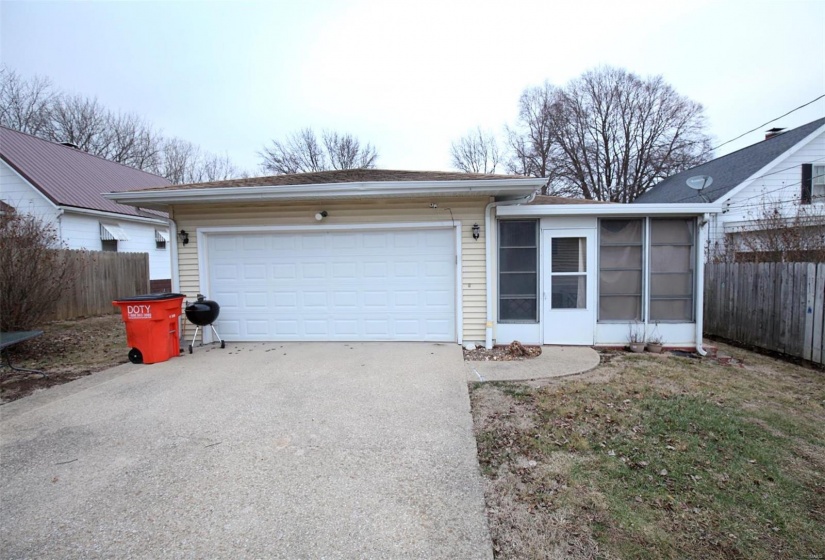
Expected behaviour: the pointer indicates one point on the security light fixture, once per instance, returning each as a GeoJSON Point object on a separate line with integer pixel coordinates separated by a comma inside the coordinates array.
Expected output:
{"type": "Point", "coordinates": [476, 231]}
{"type": "Point", "coordinates": [321, 215]}
{"type": "Point", "coordinates": [183, 236]}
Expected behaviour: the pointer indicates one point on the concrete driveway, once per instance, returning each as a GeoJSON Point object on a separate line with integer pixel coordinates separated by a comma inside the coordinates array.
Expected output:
{"type": "Point", "coordinates": [258, 450]}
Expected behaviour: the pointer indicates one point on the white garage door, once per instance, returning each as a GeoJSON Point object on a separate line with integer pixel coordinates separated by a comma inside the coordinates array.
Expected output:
{"type": "Point", "coordinates": [338, 285]}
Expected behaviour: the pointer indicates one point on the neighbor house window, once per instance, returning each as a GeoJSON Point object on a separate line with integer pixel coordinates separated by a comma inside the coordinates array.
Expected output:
{"type": "Point", "coordinates": [620, 270]}
{"type": "Point", "coordinates": [818, 183]}
{"type": "Point", "coordinates": [518, 271]}
{"type": "Point", "coordinates": [110, 234]}
{"type": "Point", "coordinates": [671, 269]}
{"type": "Point", "coordinates": [161, 237]}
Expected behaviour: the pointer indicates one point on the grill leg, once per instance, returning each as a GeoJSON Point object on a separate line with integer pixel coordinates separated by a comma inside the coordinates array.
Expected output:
{"type": "Point", "coordinates": [216, 333]}
{"type": "Point", "coordinates": [197, 328]}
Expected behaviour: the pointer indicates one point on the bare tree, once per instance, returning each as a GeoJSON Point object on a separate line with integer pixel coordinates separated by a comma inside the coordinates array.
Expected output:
{"type": "Point", "coordinates": [80, 121]}
{"type": "Point", "coordinates": [181, 161]}
{"type": "Point", "coordinates": [302, 152]}
{"type": "Point", "coordinates": [607, 135]}
{"type": "Point", "coordinates": [477, 152]}
{"type": "Point", "coordinates": [35, 107]}
{"type": "Point", "coordinates": [132, 141]}
{"type": "Point", "coordinates": [346, 152]}
{"type": "Point", "coordinates": [533, 147]}
{"type": "Point", "coordinates": [25, 105]}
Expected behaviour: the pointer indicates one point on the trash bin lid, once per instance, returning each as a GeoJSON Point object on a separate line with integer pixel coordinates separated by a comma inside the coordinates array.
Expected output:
{"type": "Point", "coordinates": [152, 297]}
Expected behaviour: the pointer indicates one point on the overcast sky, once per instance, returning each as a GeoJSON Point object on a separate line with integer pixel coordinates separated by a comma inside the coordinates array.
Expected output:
{"type": "Point", "coordinates": [410, 77]}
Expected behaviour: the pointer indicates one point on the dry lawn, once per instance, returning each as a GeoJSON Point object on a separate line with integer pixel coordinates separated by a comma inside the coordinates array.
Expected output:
{"type": "Point", "coordinates": [657, 456]}
{"type": "Point", "coordinates": [66, 351]}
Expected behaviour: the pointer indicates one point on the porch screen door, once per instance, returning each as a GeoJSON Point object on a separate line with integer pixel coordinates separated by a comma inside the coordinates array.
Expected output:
{"type": "Point", "coordinates": [569, 288]}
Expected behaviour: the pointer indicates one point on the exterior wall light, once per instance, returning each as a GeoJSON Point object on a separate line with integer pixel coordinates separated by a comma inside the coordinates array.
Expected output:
{"type": "Point", "coordinates": [183, 235]}
{"type": "Point", "coordinates": [476, 231]}
{"type": "Point", "coordinates": [321, 215]}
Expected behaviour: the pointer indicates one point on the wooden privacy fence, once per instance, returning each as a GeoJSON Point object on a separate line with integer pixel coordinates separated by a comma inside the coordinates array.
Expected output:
{"type": "Point", "coordinates": [102, 277]}
{"type": "Point", "coordinates": [775, 306]}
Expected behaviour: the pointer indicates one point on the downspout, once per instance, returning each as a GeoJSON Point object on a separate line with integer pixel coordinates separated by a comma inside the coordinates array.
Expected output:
{"type": "Point", "coordinates": [60, 212]}
{"type": "Point", "coordinates": [700, 284]}
{"type": "Point", "coordinates": [173, 254]}
{"type": "Point", "coordinates": [488, 241]}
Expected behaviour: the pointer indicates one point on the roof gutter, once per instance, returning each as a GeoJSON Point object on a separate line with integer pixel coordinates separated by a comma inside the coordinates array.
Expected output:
{"type": "Point", "coordinates": [491, 187]}
{"type": "Point", "coordinates": [616, 209]}
{"type": "Point", "coordinates": [488, 247]}
{"type": "Point", "coordinates": [112, 215]}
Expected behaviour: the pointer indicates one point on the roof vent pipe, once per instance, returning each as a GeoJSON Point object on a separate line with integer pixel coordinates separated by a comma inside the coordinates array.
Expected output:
{"type": "Point", "coordinates": [771, 132]}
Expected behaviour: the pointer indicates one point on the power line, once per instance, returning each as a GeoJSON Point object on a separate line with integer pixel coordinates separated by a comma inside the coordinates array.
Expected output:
{"type": "Point", "coordinates": [769, 122]}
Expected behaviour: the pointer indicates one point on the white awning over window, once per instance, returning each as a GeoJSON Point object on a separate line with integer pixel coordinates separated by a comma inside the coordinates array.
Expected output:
{"type": "Point", "coordinates": [112, 232]}
{"type": "Point", "coordinates": [161, 236]}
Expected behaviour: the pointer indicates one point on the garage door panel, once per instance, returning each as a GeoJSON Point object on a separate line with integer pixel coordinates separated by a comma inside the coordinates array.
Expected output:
{"type": "Point", "coordinates": [255, 243]}
{"type": "Point", "coordinates": [374, 285]}
{"type": "Point", "coordinates": [375, 240]}
{"type": "Point", "coordinates": [254, 272]}
{"type": "Point", "coordinates": [285, 271]}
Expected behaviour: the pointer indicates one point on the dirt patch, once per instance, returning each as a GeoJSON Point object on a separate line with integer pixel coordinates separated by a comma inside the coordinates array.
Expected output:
{"type": "Point", "coordinates": [66, 351]}
{"type": "Point", "coordinates": [513, 351]}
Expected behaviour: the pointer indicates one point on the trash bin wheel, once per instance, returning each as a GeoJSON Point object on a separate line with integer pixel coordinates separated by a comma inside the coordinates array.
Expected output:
{"type": "Point", "coordinates": [223, 344]}
{"type": "Point", "coordinates": [190, 348]}
{"type": "Point", "coordinates": [135, 356]}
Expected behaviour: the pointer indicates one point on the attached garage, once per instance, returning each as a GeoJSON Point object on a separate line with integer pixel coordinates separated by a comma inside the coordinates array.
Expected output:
{"type": "Point", "coordinates": [347, 255]}
{"type": "Point", "coordinates": [379, 283]}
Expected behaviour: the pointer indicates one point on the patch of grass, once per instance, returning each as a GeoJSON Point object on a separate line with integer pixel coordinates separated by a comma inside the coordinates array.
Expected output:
{"type": "Point", "coordinates": [672, 458]}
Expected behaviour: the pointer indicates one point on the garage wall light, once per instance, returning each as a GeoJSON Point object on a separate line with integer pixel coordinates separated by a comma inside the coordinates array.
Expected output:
{"type": "Point", "coordinates": [183, 235]}
{"type": "Point", "coordinates": [476, 231]}
{"type": "Point", "coordinates": [321, 215]}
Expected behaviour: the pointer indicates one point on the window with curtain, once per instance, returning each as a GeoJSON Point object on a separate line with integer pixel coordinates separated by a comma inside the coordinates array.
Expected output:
{"type": "Point", "coordinates": [518, 271]}
{"type": "Point", "coordinates": [671, 269]}
{"type": "Point", "coordinates": [620, 270]}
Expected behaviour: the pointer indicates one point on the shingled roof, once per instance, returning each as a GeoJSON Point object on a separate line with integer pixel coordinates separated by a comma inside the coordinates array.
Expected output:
{"type": "Point", "coordinates": [71, 177]}
{"type": "Point", "coordinates": [340, 176]}
{"type": "Point", "coordinates": [728, 171]}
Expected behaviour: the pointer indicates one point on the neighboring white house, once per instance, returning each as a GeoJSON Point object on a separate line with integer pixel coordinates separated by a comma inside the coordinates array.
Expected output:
{"type": "Point", "coordinates": [376, 254]}
{"type": "Point", "coordinates": [62, 185]}
{"type": "Point", "coordinates": [785, 172]}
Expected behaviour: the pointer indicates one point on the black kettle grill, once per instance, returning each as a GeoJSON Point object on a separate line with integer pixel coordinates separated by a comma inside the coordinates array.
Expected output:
{"type": "Point", "coordinates": [203, 313]}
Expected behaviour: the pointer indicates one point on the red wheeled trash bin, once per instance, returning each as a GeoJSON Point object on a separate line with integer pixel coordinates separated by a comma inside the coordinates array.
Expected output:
{"type": "Point", "coordinates": [152, 326]}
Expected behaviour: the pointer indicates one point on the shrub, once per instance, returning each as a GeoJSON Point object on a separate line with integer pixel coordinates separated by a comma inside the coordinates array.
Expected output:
{"type": "Point", "coordinates": [34, 271]}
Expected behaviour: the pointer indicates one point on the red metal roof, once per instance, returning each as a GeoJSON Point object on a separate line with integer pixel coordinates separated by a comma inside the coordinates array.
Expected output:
{"type": "Point", "coordinates": [71, 177]}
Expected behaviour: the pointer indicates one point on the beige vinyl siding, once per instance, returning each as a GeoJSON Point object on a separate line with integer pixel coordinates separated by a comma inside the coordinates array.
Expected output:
{"type": "Point", "coordinates": [468, 211]}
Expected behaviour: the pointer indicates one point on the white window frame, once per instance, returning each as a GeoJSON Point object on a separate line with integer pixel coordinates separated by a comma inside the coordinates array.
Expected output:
{"type": "Point", "coordinates": [818, 184]}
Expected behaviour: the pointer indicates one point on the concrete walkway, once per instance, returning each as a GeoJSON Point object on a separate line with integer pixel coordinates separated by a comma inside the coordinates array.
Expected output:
{"type": "Point", "coordinates": [554, 361]}
{"type": "Point", "coordinates": [255, 451]}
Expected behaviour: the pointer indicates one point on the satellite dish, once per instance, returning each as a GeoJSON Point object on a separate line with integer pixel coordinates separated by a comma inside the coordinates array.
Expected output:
{"type": "Point", "coordinates": [699, 182]}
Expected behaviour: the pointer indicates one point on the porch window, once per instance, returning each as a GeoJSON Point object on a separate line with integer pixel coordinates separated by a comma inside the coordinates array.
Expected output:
{"type": "Point", "coordinates": [620, 270]}
{"type": "Point", "coordinates": [671, 269]}
{"type": "Point", "coordinates": [568, 271]}
{"type": "Point", "coordinates": [518, 271]}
